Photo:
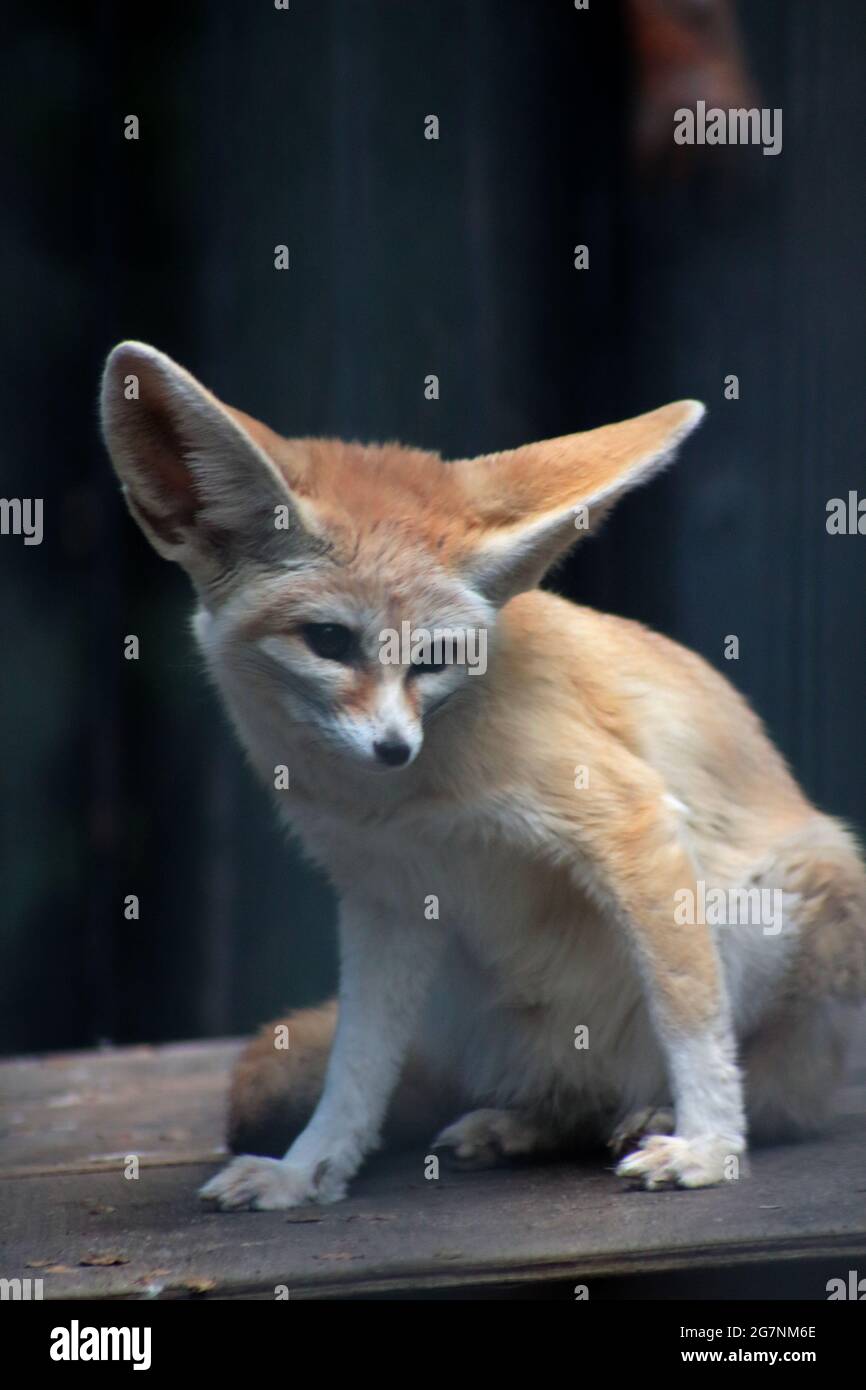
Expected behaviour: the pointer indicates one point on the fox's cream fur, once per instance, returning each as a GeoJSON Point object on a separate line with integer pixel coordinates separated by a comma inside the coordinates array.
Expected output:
{"type": "Point", "coordinates": [511, 950]}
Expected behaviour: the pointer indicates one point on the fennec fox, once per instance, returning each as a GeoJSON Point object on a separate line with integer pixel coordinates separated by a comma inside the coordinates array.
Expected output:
{"type": "Point", "coordinates": [577, 883]}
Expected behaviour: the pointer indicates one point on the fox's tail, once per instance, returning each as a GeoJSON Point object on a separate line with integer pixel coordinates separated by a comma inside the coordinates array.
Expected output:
{"type": "Point", "coordinates": [275, 1088]}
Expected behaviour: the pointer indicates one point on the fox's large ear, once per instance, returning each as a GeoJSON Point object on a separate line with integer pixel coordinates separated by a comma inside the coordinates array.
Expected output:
{"type": "Point", "coordinates": [195, 473]}
{"type": "Point", "coordinates": [529, 505]}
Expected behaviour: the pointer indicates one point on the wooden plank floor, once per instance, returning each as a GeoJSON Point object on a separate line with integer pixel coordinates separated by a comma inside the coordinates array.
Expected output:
{"type": "Point", "coordinates": [70, 1216]}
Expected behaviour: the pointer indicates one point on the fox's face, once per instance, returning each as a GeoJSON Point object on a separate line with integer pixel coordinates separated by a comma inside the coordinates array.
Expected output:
{"type": "Point", "coordinates": [352, 592]}
{"type": "Point", "coordinates": [362, 644]}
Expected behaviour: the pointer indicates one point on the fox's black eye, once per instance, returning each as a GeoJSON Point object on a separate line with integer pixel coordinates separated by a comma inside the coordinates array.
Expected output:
{"type": "Point", "coordinates": [331, 641]}
{"type": "Point", "coordinates": [425, 666]}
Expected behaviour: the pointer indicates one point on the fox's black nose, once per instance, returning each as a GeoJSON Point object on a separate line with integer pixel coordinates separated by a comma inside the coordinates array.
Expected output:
{"type": "Point", "coordinates": [393, 752]}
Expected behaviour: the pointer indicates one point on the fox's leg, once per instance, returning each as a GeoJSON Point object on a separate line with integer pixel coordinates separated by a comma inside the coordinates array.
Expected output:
{"type": "Point", "coordinates": [274, 1091]}
{"type": "Point", "coordinates": [709, 1133]}
{"type": "Point", "coordinates": [645, 866]}
{"type": "Point", "coordinates": [384, 975]}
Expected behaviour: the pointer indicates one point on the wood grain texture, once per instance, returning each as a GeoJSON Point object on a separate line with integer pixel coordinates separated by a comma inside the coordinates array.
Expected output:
{"type": "Point", "coordinates": [64, 1200]}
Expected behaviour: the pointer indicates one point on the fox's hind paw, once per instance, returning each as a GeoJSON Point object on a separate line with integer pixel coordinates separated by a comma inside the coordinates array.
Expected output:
{"type": "Point", "coordinates": [488, 1138]}
{"type": "Point", "coordinates": [635, 1126]}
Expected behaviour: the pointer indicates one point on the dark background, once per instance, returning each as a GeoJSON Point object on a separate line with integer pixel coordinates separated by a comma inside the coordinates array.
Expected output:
{"type": "Point", "coordinates": [408, 257]}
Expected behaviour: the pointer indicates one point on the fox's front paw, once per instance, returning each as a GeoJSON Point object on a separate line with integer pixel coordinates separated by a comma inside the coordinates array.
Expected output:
{"type": "Point", "coordinates": [270, 1184]}
{"type": "Point", "coordinates": [670, 1161]}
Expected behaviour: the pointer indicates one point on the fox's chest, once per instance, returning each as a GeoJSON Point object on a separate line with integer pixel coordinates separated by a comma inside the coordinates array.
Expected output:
{"type": "Point", "coordinates": [456, 871]}
{"type": "Point", "coordinates": [522, 918]}
{"type": "Point", "coordinates": [536, 995]}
